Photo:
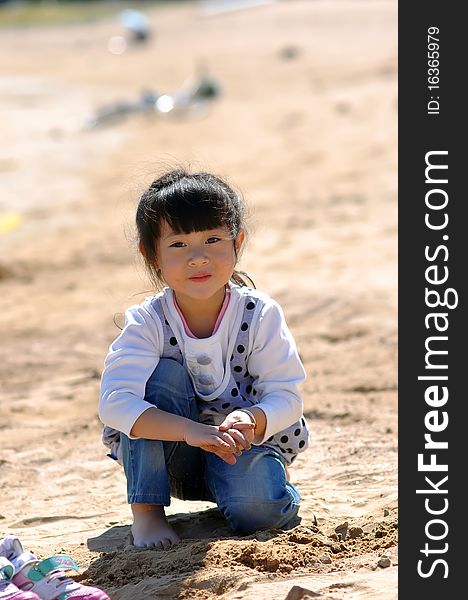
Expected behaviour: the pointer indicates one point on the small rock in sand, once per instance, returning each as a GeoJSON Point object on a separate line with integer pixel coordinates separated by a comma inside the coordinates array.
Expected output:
{"type": "Point", "coordinates": [299, 593]}
{"type": "Point", "coordinates": [384, 562]}
{"type": "Point", "coordinates": [342, 527]}
{"type": "Point", "coordinates": [355, 532]}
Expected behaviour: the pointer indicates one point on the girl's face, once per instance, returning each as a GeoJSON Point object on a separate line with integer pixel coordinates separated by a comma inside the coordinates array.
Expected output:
{"type": "Point", "coordinates": [197, 265]}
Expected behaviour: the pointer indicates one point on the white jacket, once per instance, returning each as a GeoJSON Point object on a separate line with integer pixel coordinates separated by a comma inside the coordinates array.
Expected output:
{"type": "Point", "coordinates": [271, 359]}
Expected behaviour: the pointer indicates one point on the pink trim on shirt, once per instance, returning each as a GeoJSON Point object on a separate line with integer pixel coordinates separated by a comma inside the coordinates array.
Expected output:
{"type": "Point", "coordinates": [224, 306]}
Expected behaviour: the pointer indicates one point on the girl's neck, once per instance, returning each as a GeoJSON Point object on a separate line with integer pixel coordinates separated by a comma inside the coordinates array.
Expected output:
{"type": "Point", "coordinates": [201, 315]}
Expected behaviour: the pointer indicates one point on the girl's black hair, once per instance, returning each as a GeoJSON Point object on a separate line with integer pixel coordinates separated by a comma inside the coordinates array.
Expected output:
{"type": "Point", "coordinates": [187, 202]}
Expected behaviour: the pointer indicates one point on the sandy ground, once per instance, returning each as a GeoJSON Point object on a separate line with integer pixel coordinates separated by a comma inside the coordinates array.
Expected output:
{"type": "Point", "coordinates": [306, 128]}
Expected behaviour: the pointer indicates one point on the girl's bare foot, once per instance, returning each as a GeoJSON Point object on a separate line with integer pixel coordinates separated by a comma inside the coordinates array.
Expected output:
{"type": "Point", "coordinates": [151, 528]}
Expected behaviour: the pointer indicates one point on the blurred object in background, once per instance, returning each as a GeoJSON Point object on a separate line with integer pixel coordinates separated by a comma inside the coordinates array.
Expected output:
{"type": "Point", "coordinates": [9, 221]}
{"type": "Point", "coordinates": [137, 25]}
{"type": "Point", "coordinates": [216, 7]}
{"type": "Point", "coordinates": [194, 94]}
{"type": "Point", "coordinates": [31, 13]}
{"type": "Point", "coordinates": [118, 109]}
{"type": "Point", "coordinates": [289, 52]}
{"type": "Point", "coordinates": [117, 44]}
{"type": "Point", "coordinates": [191, 99]}
{"type": "Point", "coordinates": [137, 28]}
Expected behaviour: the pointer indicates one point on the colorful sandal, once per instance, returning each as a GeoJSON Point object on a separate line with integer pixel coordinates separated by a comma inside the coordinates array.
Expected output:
{"type": "Point", "coordinates": [8, 590]}
{"type": "Point", "coordinates": [47, 578]}
{"type": "Point", "coordinates": [10, 546]}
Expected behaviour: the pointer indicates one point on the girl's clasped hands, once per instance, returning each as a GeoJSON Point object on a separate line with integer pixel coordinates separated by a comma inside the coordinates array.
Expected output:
{"type": "Point", "coordinates": [228, 440]}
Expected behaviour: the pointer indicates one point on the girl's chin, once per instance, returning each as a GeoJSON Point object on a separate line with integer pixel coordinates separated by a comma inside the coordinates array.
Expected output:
{"type": "Point", "coordinates": [200, 292]}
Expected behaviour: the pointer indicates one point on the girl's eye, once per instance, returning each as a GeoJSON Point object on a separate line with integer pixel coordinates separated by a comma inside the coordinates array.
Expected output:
{"type": "Point", "coordinates": [177, 245]}
{"type": "Point", "coordinates": [213, 240]}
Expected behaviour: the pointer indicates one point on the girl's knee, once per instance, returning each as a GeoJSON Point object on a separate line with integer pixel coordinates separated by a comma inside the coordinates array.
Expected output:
{"type": "Point", "coordinates": [248, 516]}
{"type": "Point", "coordinates": [168, 384]}
{"type": "Point", "coordinates": [168, 370]}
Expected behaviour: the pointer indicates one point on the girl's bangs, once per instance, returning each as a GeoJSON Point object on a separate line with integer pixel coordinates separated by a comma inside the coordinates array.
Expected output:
{"type": "Point", "coordinates": [185, 215]}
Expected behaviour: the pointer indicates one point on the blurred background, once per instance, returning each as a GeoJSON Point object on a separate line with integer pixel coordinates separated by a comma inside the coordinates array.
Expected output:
{"type": "Point", "coordinates": [294, 102]}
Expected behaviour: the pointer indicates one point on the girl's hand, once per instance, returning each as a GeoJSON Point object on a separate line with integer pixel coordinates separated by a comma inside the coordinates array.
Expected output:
{"type": "Point", "coordinates": [211, 439]}
{"type": "Point", "coordinates": [241, 428]}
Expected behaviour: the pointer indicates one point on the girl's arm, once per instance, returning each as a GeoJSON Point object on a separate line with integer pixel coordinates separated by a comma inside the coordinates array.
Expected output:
{"type": "Point", "coordinates": [131, 360]}
{"type": "Point", "coordinates": [156, 424]}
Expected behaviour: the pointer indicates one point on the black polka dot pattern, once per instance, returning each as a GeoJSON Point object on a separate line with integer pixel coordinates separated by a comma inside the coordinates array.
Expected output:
{"type": "Point", "coordinates": [250, 305]}
{"type": "Point", "coordinates": [290, 441]}
{"type": "Point", "coordinates": [238, 369]}
{"type": "Point", "coordinates": [173, 341]}
{"type": "Point", "coordinates": [244, 326]}
{"type": "Point", "coordinates": [240, 349]}
{"type": "Point", "coordinates": [234, 392]}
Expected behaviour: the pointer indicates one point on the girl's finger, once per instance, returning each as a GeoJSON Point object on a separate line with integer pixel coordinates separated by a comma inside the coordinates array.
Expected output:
{"type": "Point", "coordinates": [238, 438]}
{"type": "Point", "coordinates": [218, 444]}
{"type": "Point", "coordinates": [223, 443]}
{"type": "Point", "coordinates": [243, 426]}
{"type": "Point", "coordinates": [240, 425]}
{"type": "Point", "coordinates": [217, 449]}
{"type": "Point", "coordinates": [227, 438]}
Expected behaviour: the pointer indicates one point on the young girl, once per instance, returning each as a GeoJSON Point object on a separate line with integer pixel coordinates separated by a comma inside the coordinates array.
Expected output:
{"type": "Point", "coordinates": [199, 391]}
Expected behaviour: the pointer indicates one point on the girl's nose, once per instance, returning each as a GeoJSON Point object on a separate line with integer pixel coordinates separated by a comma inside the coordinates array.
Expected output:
{"type": "Point", "coordinates": [198, 257]}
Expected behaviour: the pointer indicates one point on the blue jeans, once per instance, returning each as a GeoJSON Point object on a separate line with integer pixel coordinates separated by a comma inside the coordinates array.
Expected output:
{"type": "Point", "coordinates": [252, 494]}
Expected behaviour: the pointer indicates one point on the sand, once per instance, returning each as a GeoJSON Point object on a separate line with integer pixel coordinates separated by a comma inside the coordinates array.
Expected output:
{"type": "Point", "coordinates": [305, 127]}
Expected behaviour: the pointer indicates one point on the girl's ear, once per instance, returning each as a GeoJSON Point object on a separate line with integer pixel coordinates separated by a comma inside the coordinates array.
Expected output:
{"type": "Point", "coordinates": [239, 240]}
{"type": "Point", "coordinates": [142, 249]}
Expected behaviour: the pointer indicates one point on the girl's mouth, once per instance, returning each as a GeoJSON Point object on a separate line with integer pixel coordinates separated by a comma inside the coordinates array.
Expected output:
{"type": "Point", "coordinates": [200, 278]}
